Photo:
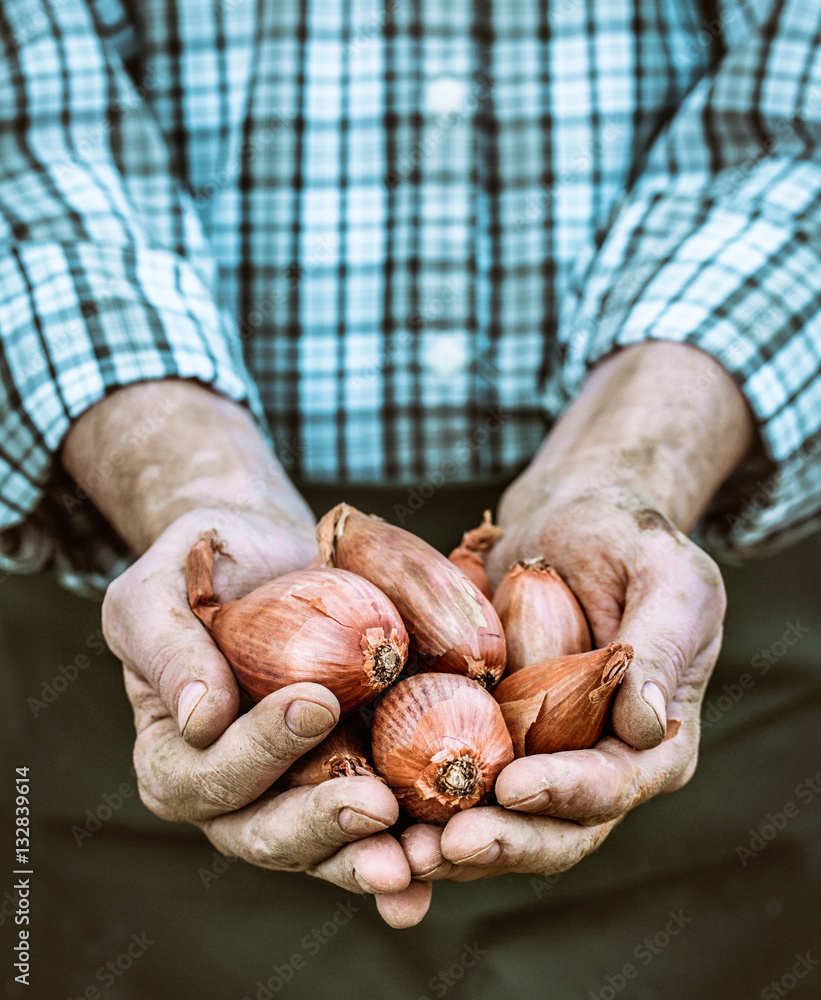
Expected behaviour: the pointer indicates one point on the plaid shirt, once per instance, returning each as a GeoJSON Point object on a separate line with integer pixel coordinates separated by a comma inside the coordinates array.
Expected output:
{"type": "Point", "coordinates": [403, 232]}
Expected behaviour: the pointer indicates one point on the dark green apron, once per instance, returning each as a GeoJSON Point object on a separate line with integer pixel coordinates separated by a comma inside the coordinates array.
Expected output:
{"type": "Point", "coordinates": [710, 892]}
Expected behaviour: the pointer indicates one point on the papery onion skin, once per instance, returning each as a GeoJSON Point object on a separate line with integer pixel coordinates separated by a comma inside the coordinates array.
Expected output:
{"type": "Point", "coordinates": [540, 615]}
{"type": "Point", "coordinates": [562, 703]}
{"type": "Point", "coordinates": [473, 566]}
{"type": "Point", "coordinates": [440, 741]}
{"type": "Point", "coordinates": [468, 555]}
{"type": "Point", "coordinates": [453, 627]}
{"type": "Point", "coordinates": [342, 754]}
{"type": "Point", "coordinates": [322, 625]}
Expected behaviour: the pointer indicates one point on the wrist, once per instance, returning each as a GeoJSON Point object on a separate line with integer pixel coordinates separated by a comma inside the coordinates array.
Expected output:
{"type": "Point", "coordinates": [151, 452]}
{"type": "Point", "coordinates": [223, 498]}
{"type": "Point", "coordinates": [650, 477]}
{"type": "Point", "coordinates": [662, 423]}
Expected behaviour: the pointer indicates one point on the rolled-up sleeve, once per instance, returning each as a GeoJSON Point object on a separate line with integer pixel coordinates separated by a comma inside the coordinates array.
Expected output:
{"type": "Point", "coordinates": [718, 245]}
{"type": "Point", "coordinates": [105, 276]}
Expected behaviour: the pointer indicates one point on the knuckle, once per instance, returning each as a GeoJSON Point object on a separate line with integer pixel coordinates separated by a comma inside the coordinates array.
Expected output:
{"type": "Point", "coordinates": [169, 797]}
{"type": "Point", "coordinates": [707, 569]}
{"type": "Point", "coordinates": [217, 791]}
{"type": "Point", "coordinates": [573, 853]}
{"type": "Point", "coordinates": [161, 662]}
{"type": "Point", "coordinates": [139, 693]}
{"type": "Point", "coordinates": [595, 836]}
{"type": "Point", "coordinates": [577, 851]}
{"type": "Point", "coordinates": [568, 517]}
{"type": "Point", "coordinates": [665, 661]}
{"type": "Point", "coordinates": [158, 790]}
{"type": "Point", "coordinates": [591, 838]}
{"type": "Point", "coordinates": [595, 818]}
{"type": "Point", "coordinates": [158, 794]}
{"type": "Point", "coordinates": [161, 808]}
{"type": "Point", "coordinates": [708, 581]}
{"type": "Point", "coordinates": [719, 598]}
{"type": "Point", "coordinates": [670, 656]}
{"type": "Point", "coordinates": [681, 779]}
{"type": "Point", "coordinates": [263, 748]}
{"type": "Point", "coordinates": [271, 852]}
{"type": "Point", "coordinates": [111, 614]}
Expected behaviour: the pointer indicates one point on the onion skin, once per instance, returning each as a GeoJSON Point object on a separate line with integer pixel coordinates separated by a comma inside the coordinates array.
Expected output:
{"type": "Point", "coordinates": [342, 754]}
{"type": "Point", "coordinates": [473, 566]}
{"type": "Point", "coordinates": [322, 625]}
{"type": "Point", "coordinates": [440, 741]}
{"type": "Point", "coordinates": [540, 615]}
{"type": "Point", "coordinates": [563, 703]}
{"type": "Point", "coordinates": [468, 554]}
{"type": "Point", "coordinates": [453, 627]}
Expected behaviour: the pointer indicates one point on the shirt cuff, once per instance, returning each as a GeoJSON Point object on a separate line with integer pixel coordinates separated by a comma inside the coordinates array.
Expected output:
{"type": "Point", "coordinates": [741, 280]}
{"type": "Point", "coordinates": [77, 322]}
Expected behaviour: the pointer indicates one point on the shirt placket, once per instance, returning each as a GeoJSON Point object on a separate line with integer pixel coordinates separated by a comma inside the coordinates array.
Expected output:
{"type": "Point", "coordinates": [436, 167]}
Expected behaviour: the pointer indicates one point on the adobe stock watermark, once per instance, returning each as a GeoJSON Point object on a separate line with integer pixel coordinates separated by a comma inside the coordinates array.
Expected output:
{"type": "Point", "coordinates": [311, 944]}
{"type": "Point", "coordinates": [220, 864]}
{"type": "Point", "coordinates": [424, 319]}
{"type": "Point", "coordinates": [263, 134]}
{"type": "Point", "coordinates": [495, 418]}
{"type": "Point", "coordinates": [158, 417]}
{"type": "Point", "coordinates": [580, 159]}
{"type": "Point", "coordinates": [108, 291]}
{"type": "Point", "coordinates": [762, 835]}
{"type": "Point", "coordinates": [446, 979]}
{"type": "Point", "coordinates": [445, 121]}
{"type": "Point", "coordinates": [644, 954]}
{"type": "Point", "coordinates": [709, 31]}
{"type": "Point", "coordinates": [780, 987]}
{"type": "Point", "coordinates": [322, 253]}
{"type": "Point", "coordinates": [783, 131]}
{"type": "Point", "coordinates": [541, 884]}
{"type": "Point", "coordinates": [259, 138]}
{"type": "Point", "coordinates": [25, 28]}
{"type": "Point", "coordinates": [65, 675]}
{"type": "Point", "coordinates": [752, 505]}
{"type": "Point", "coordinates": [366, 34]}
{"type": "Point", "coordinates": [716, 708]}
{"type": "Point", "coordinates": [111, 803]}
{"type": "Point", "coordinates": [107, 975]}
{"type": "Point", "coordinates": [734, 355]}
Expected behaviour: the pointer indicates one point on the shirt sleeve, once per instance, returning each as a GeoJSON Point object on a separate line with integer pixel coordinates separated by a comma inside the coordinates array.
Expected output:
{"type": "Point", "coordinates": [719, 245]}
{"type": "Point", "coordinates": [105, 276]}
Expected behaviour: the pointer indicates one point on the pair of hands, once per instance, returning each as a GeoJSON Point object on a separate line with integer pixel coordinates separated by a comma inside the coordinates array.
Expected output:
{"type": "Point", "coordinates": [639, 580]}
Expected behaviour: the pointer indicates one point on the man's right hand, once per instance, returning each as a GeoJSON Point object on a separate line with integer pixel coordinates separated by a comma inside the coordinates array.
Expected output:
{"type": "Point", "coordinates": [163, 462]}
{"type": "Point", "coordinates": [197, 761]}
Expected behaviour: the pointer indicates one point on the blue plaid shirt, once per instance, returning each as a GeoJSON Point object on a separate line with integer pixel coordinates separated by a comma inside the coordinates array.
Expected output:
{"type": "Point", "coordinates": [403, 232]}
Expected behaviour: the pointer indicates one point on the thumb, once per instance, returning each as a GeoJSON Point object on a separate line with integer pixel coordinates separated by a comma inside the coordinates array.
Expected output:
{"type": "Point", "coordinates": [640, 710]}
{"type": "Point", "coordinates": [154, 633]}
{"type": "Point", "coordinates": [660, 655]}
{"type": "Point", "coordinates": [197, 686]}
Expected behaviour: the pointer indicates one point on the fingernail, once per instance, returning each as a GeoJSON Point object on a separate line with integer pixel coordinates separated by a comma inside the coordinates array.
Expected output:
{"type": "Point", "coordinates": [306, 718]}
{"type": "Point", "coordinates": [441, 870]}
{"type": "Point", "coordinates": [358, 824]}
{"type": "Point", "coordinates": [363, 884]}
{"type": "Point", "coordinates": [190, 697]}
{"type": "Point", "coordinates": [652, 695]}
{"type": "Point", "coordinates": [532, 803]}
{"type": "Point", "coordinates": [486, 856]}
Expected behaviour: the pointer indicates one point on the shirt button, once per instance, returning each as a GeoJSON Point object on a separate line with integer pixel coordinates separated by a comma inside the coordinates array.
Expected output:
{"type": "Point", "coordinates": [446, 354]}
{"type": "Point", "coordinates": [445, 94]}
